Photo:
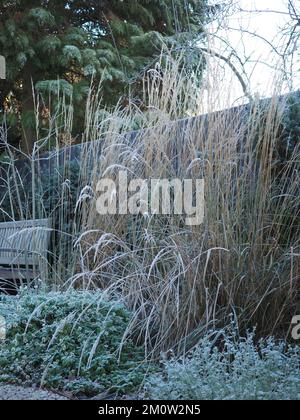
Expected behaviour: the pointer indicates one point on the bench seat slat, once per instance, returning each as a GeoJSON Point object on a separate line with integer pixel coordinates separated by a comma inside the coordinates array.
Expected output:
{"type": "Point", "coordinates": [24, 243]}
{"type": "Point", "coordinates": [11, 274]}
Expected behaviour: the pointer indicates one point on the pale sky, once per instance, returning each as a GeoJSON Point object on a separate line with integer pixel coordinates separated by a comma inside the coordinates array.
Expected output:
{"type": "Point", "coordinates": [258, 54]}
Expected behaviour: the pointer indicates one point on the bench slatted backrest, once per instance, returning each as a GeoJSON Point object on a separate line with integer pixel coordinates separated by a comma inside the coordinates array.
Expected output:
{"type": "Point", "coordinates": [24, 242]}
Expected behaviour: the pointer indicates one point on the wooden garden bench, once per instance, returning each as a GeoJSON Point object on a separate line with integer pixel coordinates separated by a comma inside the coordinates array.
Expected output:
{"type": "Point", "coordinates": [23, 249]}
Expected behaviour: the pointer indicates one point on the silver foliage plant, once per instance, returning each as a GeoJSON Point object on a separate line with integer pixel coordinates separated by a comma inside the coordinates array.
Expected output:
{"type": "Point", "coordinates": [243, 370]}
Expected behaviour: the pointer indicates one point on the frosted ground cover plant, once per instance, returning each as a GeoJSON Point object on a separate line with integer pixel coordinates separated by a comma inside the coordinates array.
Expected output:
{"type": "Point", "coordinates": [269, 371]}
{"type": "Point", "coordinates": [71, 341]}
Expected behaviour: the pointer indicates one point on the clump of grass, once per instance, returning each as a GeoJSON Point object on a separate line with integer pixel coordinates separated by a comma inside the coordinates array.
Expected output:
{"type": "Point", "coordinates": [180, 281]}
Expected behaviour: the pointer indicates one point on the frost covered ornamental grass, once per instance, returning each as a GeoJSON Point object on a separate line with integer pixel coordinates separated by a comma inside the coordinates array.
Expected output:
{"type": "Point", "coordinates": [71, 341]}
{"type": "Point", "coordinates": [177, 280]}
{"type": "Point", "coordinates": [241, 371]}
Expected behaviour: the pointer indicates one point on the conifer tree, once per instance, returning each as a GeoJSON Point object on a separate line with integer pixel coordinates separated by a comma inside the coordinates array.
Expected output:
{"type": "Point", "coordinates": [74, 41]}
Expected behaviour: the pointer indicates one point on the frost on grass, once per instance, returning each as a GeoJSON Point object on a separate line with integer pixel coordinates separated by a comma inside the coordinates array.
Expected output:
{"type": "Point", "coordinates": [243, 370]}
{"type": "Point", "coordinates": [71, 341]}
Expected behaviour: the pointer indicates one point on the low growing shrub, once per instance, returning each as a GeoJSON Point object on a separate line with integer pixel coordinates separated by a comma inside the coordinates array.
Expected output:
{"type": "Point", "coordinates": [242, 371]}
{"type": "Point", "coordinates": [71, 341]}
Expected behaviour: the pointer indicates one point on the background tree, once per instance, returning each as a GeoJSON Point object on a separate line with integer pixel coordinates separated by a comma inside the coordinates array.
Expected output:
{"type": "Point", "coordinates": [76, 41]}
{"type": "Point", "coordinates": [281, 46]}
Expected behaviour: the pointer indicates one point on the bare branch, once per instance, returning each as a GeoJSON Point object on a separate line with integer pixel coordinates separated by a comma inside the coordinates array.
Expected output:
{"type": "Point", "coordinates": [232, 67]}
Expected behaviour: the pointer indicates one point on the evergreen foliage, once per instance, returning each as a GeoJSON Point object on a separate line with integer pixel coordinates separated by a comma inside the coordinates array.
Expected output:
{"type": "Point", "coordinates": [291, 132]}
{"type": "Point", "coordinates": [77, 41]}
{"type": "Point", "coordinates": [69, 341]}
